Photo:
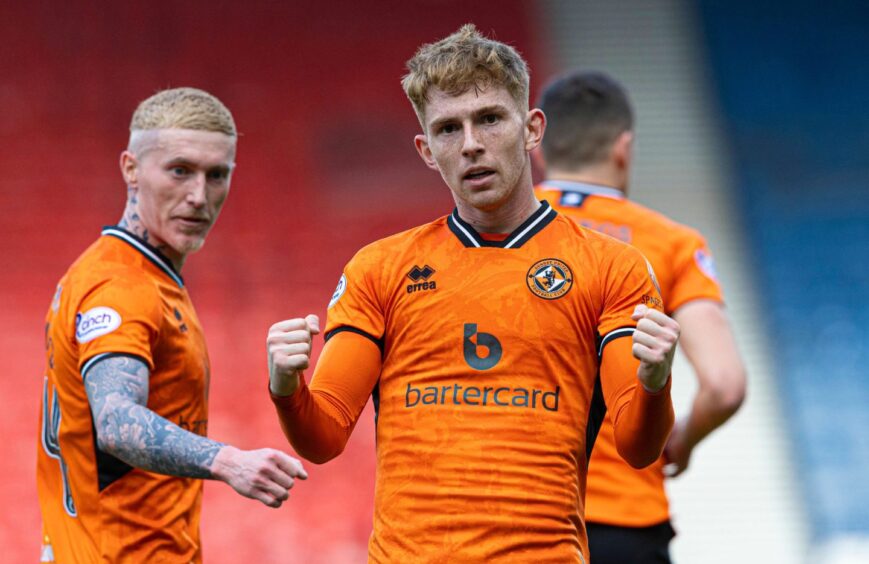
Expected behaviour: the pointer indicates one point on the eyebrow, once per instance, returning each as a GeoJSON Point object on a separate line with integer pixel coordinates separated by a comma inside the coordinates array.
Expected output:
{"type": "Point", "coordinates": [494, 108]}
{"type": "Point", "coordinates": [187, 162]}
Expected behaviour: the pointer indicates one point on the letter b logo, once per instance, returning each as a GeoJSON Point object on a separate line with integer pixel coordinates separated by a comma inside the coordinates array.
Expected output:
{"type": "Point", "coordinates": [486, 340]}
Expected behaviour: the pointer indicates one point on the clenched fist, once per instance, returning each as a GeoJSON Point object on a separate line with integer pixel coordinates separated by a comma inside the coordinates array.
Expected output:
{"type": "Point", "coordinates": [289, 348]}
{"type": "Point", "coordinates": [654, 346]}
{"type": "Point", "coordinates": [266, 474]}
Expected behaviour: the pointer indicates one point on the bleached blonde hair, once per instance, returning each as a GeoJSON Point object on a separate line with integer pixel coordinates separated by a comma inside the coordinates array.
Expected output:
{"type": "Point", "coordinates": [464, 60]}
{"type": "Point", "coordinates": [183, 108]}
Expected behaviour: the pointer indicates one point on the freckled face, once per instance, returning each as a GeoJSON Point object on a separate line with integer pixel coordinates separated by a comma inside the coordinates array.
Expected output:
{"type": "Point", "coordinates": [180, 181]}
{"type": "Point", "coordinates": [479, 141]}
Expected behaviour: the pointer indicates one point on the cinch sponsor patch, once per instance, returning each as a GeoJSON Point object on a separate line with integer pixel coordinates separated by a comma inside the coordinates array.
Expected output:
{"type": "Point", "coordinates": [706, 263]}
{"type": "Point", "coordinates": [339, 291]}
{"type": "Point", "coordinates": [95, 323]}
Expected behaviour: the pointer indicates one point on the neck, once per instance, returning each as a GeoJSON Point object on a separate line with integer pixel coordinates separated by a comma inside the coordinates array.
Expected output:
{"type": "Point", "coordinates": [600, 175]}
{"type": "Point", "coordinates": [504, 218]}
{"type": "Point", "coordinates": [132, 222]}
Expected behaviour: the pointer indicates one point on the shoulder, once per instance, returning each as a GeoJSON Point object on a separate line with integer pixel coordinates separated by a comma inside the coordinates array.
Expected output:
{"type": "Point", "coordinates": [667, 227]}
{"type": "Point", "coordinates": [587, 240]}
{"type": "Point", "coordinates": [388, 250]}
{"type": "Point", "coordinates": [100, 276]}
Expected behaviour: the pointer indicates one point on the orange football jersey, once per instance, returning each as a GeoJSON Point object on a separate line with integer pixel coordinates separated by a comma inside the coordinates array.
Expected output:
{"type": "Point", "coordinates": [120, 297]}
{"type": "Point", "coordinates": [489, 382]}
{"type": "Point", "coordinates": [618, 494]}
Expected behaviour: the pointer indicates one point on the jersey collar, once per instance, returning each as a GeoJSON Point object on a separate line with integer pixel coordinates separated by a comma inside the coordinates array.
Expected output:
{"type": "Point", "coordinates": [530, 227]}
{"type": "Point", "coordinates": [583, 188]}
{"type": "Point", "coordinates": [150, 252]}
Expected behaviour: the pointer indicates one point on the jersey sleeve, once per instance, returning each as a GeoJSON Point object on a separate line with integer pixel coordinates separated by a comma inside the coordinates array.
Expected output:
{"type": "Point", "coordinates": [694, 273]}
{"type": "Point", "coordinates": [319, 419]}
{"type": "Point", "coordinates": [356, 304]}
{"type": "Point", "coordinates": [628, 281]}
{"type": "Point", "coordinates": [121, 315]}
{"type": "Point", "coordinates": [641, 420]}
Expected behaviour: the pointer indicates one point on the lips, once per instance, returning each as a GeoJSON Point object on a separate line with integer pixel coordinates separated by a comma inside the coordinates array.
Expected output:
{"type": "Point", "coordinates": [193, 222]}
{"type": "Point", "coordinates": [478, 173]}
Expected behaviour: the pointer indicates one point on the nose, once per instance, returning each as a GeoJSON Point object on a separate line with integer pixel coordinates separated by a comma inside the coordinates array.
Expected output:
{"type": "Point", "coordinates": [196, 190]}
{"type": "Point", "coordinates": [471, 146]}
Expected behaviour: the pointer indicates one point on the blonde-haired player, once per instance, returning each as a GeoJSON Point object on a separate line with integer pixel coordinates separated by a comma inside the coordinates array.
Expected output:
{"type": "Point", "coordinates": [122, 444]}
{"type": "Point", "coordinates": [488, 339]}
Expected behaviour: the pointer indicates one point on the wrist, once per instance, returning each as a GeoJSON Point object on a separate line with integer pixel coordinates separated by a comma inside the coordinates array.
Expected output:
{"type": "Point", "coordinates": [284, 386]}
{"type": "Point", "coordinates": [655, 387]}
{"type": "Point", "coordinates": [223, 462]}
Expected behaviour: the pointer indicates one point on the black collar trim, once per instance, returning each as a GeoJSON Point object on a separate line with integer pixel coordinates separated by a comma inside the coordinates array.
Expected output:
{"type": "Point", "coordinates": [151, 253]}
{"type": "Point", "coordinates": [530, 227]}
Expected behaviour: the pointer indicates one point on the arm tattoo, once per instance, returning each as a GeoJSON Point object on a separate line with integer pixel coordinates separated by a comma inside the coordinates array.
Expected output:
{"type": "Point", "coordinates": [117, 389]}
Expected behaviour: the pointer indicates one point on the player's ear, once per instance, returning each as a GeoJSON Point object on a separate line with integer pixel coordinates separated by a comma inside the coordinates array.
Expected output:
{"type": "Point", "coordinates": [623, 149]}
{"type": "Point", "coordinates": [129, 168]}
{"type": "Point", "coordinates": [421, 144]}
{"type": "Point", "coordinates": [535, 124]}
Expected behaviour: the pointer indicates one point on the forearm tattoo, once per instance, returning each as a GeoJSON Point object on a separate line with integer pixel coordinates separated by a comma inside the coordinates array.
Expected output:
{"type": "Point", "coordinates": [117, 389]}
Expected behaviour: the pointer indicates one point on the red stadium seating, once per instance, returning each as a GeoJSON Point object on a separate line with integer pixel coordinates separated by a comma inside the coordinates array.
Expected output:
{"type": "Point", "coordinates": [325, 165]}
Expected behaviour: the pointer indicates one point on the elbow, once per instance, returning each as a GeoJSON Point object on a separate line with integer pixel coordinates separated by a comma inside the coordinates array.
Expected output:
{"type": "Point", "coordinates": [641, 440]}
{"type": "Point", "coordinates": [640, 460]}
{"type": "Point", "coordinates": [116, 432]}
{"type": "Point", "coordinates": [313, 448]}
{"type": "Point", "coordinates": [319, 455]}
{"type": "Point", "coordinates": [642, 447]}
{"type": "Point", "coordinates": [103, 444]}
{"type": "Point", "coordinates": [107, 441]}
{"type": "Point", "coordinates": [728, 393]}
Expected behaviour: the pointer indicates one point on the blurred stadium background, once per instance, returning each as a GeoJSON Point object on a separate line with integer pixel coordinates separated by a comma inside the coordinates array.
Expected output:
{"type": "Point", "coordinates": [752, 127]}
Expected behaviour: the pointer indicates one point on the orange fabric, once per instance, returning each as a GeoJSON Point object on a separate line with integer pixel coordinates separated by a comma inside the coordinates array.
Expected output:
{"type": "Point", "coordinates": [641, 420]}
{"type": "Point", "coordinates": [318, 419]}
{"type": "Point", "coordinates": [115, 300]}
{"type": "Point", "coordinates": [484, 392]}
{"type": "Point", "coordinates": [618, 494]}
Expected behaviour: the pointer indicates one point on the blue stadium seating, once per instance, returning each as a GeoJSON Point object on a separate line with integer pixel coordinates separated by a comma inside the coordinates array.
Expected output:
{"type": "Point", "coordinates": [793, 90]}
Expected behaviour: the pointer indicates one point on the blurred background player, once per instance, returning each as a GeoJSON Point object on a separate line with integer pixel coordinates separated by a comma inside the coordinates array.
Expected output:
{"type": "Point", "coordinates": [485, 363]}
{"type": "Point", "coordinates": [125, 398]}
{"type": "Point", "coordinates": [587, 153]}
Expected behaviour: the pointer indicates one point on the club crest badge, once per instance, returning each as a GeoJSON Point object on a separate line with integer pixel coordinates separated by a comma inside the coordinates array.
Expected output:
{"type": "Point", "coordinates": [549, 279]}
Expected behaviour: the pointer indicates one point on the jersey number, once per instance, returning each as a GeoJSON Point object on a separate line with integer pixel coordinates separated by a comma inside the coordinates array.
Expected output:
{"type": "Point", "coordinates": [51, 444]}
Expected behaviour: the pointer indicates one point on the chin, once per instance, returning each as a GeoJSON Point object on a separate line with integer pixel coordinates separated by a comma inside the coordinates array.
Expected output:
{"type": "Point", "coordinates": [486, 200]}
{"type": "Point", "coordinates": [188, 245]}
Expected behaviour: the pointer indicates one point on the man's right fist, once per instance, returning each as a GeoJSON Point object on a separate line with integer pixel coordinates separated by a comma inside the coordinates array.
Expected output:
{"type": "Point", "coordinates": [289, 347]}
{"type": "Point", "coordinates": [266, 474]}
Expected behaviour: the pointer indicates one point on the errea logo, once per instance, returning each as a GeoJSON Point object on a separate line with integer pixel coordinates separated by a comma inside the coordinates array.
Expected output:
{"type": "Point", "coordinates": [420, 278]}
{"type": "Point", "coordinates": [95, 323]}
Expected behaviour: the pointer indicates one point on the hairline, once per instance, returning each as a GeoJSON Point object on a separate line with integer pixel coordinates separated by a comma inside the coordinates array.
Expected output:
{"type": "Point", "coordinates": [139, 137]}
